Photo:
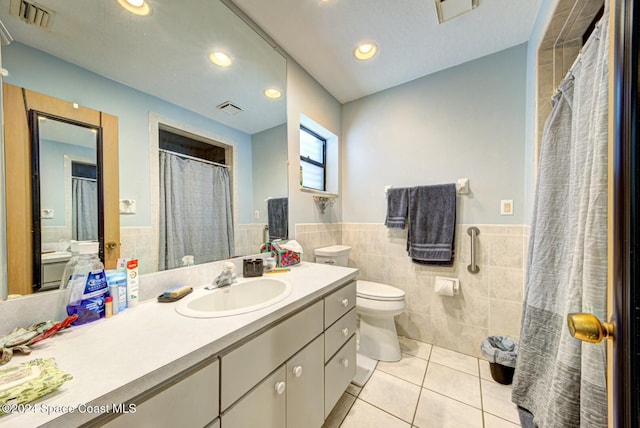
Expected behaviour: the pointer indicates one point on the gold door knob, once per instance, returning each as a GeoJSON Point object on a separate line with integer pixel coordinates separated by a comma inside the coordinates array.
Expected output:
{"type": "Point", "coordinates": [588, 328]}
{"type": "Point", "coordinates": [111, 246]}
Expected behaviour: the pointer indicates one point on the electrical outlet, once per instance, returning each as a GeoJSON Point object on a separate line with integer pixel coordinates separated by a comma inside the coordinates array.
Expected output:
{"type": "Point", "coordinates": [506, 207]}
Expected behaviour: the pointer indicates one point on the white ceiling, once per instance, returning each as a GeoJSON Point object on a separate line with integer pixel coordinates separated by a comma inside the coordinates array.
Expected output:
{"type": "Point", "coordinates": [321, 36]}
{"type": "Point", "coordinates": [166, 54]}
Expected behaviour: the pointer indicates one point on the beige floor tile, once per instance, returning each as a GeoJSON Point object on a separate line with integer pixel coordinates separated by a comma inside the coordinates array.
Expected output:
{"type": "Point", "coordinates": [339, 411]}
{"type": "Point", "coordinates": [408, 368]}
{"type": "Point", "coordinates": [485, 371]}
{"type": "Point", "coordinates": [491, 421]}
{"type": "Point", "coordinates": [364, 415]}
{"type": "Point", "coordinates": [454, 384]}
{"type": "Point", "coordinates": [455, 360]}
{"type": "Point", "coordinates": [496, 399]}
{"type": "Point", "coordinates": [437, 411]}
{"type": "Point", "coordinates": [391, 394]}
{"type": "Point", "coordinates": [415, 348]}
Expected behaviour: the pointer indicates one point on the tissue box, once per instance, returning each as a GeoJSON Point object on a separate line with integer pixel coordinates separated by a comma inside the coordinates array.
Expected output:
{"type": "Point", "coordinates": [283, 256]}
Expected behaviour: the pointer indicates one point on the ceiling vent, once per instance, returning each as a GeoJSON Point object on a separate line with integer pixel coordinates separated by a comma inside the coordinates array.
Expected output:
{"type": "Point", "coordinates": [449, 9]}
{"type": "Point", "coordinates": [229, 108]}
{"type": "Point", "coordinates": [32, 13]}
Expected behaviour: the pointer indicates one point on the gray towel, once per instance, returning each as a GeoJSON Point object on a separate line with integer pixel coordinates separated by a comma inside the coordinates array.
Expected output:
{"type": "Point", "coordinates": [397, 205]}
{"type": "Point", "coordinates": [432, 224]}
{"type": "Point", "coordinates": [278, 216]}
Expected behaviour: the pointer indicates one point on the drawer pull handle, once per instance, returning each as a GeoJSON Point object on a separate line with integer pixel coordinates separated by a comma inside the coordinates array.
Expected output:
{"type": "Point", "coordinates": [345, 332]}
{"type": "Point", "coordinates": [345, 302]}
{"type": "Point", "coordinates": [280, 387]}
{"type": "Point", "coordinates": [297, 371]}
{"type": "Point", "coordinates": [345, 363]}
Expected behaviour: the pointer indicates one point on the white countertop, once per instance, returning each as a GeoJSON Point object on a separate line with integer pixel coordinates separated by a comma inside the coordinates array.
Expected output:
{"type": "Point", "coordinates": [113, 360]}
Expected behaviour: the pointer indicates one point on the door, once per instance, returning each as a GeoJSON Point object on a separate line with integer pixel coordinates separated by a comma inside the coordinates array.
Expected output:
{"type": "Point", "coordinates": [624, 230]}
{"type": "Point", "coordinates": [623, 328]}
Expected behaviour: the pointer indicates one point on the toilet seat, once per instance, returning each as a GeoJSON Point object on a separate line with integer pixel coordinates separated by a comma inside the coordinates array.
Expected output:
{"type": "Point", "coordinates": [376, 291]}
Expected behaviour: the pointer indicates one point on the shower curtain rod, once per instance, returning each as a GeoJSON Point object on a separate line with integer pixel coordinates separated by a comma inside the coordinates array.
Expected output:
{"type": "Point", "coordinates": [182, 155]}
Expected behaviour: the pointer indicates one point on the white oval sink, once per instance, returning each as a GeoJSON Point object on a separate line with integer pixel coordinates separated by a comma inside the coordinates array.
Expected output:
{"type": "Point", "coordinates": [235, 299]}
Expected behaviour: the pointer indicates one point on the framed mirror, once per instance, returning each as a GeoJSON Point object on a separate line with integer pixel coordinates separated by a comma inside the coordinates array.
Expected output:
{"type": "Point", "coordinates": [67, 192]}
{"type": "Point", "coordinates": [153, 71]}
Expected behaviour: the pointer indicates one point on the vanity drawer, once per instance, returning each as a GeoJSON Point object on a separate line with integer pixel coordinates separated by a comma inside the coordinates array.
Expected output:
{"type": "Point", "coordinates": [338, 373]}
{"type": "Point", "coordinates": [248, 364]}
{"type": "Point", "coordinates": [336, 335]}
{"type": "Point", "coordinates": [339, 303]}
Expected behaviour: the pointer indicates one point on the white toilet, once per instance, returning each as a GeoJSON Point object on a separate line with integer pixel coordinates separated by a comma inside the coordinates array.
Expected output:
{"type": "Point", "coordinates": [376, 305]}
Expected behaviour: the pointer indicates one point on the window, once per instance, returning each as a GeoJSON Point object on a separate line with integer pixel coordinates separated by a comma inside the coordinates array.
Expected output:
{"type": "Point", "coordinates": [313, 163]}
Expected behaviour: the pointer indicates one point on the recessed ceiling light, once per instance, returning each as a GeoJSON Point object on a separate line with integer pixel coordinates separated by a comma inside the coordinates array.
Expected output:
{"type": "Point", "coordinates": [139, 7]}
{"type": "Point", "coordinates": [272, 93]}
{"type": "Point", "coordinates": [365, 51]}
{"type": "Point", "coordinates": [220, 59]}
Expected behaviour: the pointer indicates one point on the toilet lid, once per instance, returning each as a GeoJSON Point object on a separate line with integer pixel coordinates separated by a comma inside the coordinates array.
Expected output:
{"type": "Point", "coordinates": [377, 291]}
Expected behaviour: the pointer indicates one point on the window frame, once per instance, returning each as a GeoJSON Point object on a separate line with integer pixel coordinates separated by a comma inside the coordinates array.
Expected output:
{"type": "Point", "coordinates": [322, 164]}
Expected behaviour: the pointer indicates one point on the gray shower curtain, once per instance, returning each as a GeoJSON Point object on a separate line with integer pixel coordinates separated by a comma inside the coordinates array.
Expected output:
{"type": "Point", "coordinates": [195, 211]}
{"type": "Point", "coordinates": [559, 379]}
{"type": "Point", "coordinates": [84, 203]}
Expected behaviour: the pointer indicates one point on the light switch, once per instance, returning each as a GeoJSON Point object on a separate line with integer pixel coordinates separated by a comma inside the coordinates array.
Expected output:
{"type": "Point", "coordinates": [256, 214]}
{"type": "Point", "coordinates": [46, 213]}
{"type": "Point", "coordinates": [506, 207]}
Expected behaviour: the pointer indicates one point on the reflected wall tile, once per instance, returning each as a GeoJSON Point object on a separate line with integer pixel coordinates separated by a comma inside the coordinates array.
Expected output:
{"type": "Point", "coordinates": [506, 252]}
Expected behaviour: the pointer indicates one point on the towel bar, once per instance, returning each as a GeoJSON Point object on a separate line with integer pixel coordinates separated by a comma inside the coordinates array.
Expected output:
{"type": "Point", "coordinates": [473, 233]}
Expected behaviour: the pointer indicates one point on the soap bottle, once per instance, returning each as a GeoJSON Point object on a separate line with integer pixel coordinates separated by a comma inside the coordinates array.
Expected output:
{"type": "Point", "coordinates": [71, 264]}
{"type": "Point", "coordinates": [88, 285]}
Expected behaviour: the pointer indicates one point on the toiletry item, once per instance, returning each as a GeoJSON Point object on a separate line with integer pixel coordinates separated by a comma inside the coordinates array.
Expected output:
{"type": "Point", "coordinates": [108, 307]}
{"type": "Point", "coordinates": [88, 286]}
{"type": "Point", "coordinates": [114, 294]}
{"type": "Point", "coordinates": [269, 264]}
{"type": "Point", "coordinates": [251, 268]}
{"type": "Point", "coordinates": [121, 265]}
{"type": "Point", "coordinates": [174, 293]}
{"type": "Point", "coordinates": [119, 279]}
{"type": "Point", "coordinates": [71, 264]}
{"type": "Point", "coordinates": [132, 283]}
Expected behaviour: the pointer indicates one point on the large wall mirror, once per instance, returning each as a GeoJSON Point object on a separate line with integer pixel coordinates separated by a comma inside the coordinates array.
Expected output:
{"type": "Point", "coordinates": [155, 72]}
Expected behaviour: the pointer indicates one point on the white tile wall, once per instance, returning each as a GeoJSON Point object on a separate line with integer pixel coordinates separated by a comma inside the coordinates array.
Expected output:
{"type": "Point", "coordinates": [489, 303]}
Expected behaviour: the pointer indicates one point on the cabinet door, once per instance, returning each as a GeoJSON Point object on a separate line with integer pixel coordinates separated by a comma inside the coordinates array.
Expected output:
{"type": "Point", "coordinates": [264, 406]}
{"type": "Point", "coordinates": [192, 401]}
{"type": "Point", "coordinates": [305, 387]}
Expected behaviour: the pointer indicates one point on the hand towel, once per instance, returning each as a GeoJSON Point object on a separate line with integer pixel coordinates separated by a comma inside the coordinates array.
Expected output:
{"type": "Point", "coordinates": [432, 223]}
{"type": "Point", "coordinates": [278, 217]}
{"type": "Point", "coordinates": [397, 204]}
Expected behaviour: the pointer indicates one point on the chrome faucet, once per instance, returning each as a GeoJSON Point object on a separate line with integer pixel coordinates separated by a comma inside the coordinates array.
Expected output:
{"type": "Point", "coordinates": [227, 277]}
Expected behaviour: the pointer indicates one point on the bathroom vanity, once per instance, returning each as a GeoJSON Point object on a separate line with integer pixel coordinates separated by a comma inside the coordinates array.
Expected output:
{"type": "Point", "coordinates": [282, 366]}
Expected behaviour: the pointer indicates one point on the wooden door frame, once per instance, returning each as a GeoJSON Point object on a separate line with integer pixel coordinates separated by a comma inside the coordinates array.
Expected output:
{"type": "Point", "coordinates": [17, 103]}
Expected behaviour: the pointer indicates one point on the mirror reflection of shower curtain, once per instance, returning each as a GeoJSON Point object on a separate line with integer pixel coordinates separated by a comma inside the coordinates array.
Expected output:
{"type": "Point", "coordinates": [85, 209]}
{"type": "Point", "coordinates": [559, 379]}
{"type": "Point", "coordinates": [195, 211]}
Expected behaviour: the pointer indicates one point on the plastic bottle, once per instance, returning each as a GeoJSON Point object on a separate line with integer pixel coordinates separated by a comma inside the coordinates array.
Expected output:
{"type": "Point", "coordinates": [70, 266]}
{"type": "Point", "coordinates": [118, 279]}
{"type": "Point", "coordinates": [89, 287]}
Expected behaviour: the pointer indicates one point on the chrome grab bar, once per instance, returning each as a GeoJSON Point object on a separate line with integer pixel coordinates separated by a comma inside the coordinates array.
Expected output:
{"type": "Point", "coordinates": [473, 233]}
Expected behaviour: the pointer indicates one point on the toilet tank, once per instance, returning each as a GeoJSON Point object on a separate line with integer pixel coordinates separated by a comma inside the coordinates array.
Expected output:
{"type": "Point", "coordinates": [337, 255]}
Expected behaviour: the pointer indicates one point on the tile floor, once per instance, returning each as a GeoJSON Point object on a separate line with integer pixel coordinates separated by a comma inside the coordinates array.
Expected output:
{"type": "Point", "coordinates": [429, 387]}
